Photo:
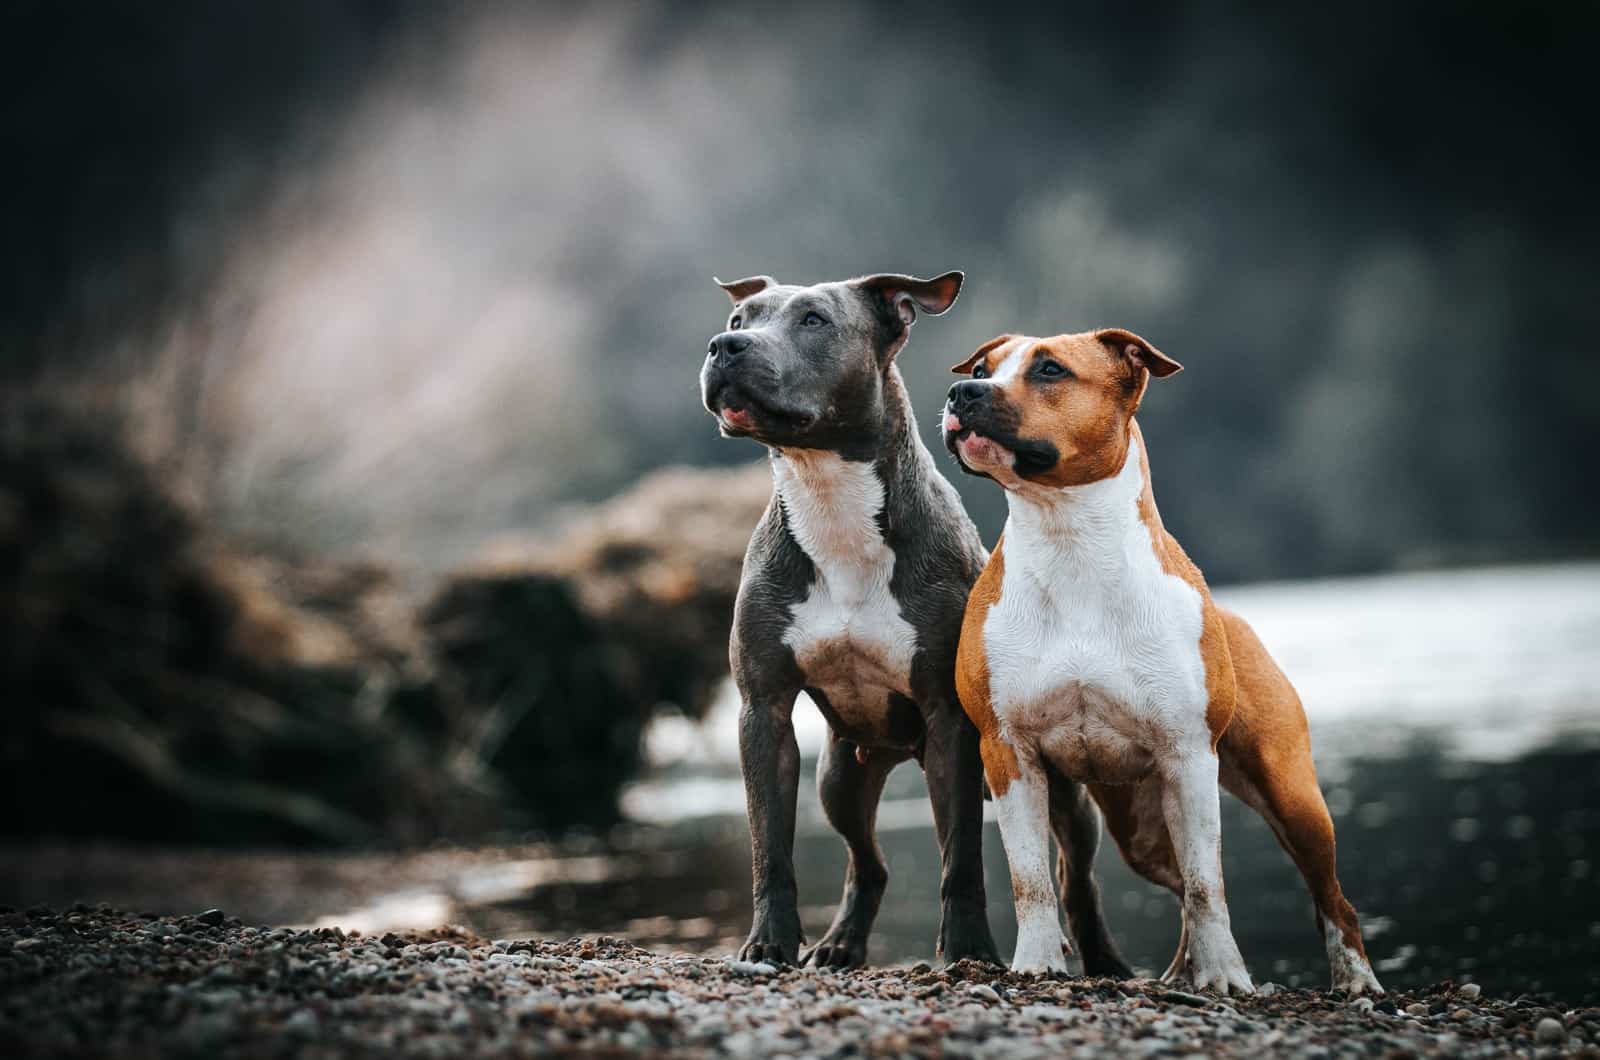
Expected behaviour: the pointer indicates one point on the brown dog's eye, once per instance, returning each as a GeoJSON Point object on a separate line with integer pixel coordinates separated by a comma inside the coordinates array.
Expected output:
{"type": "Point", "coordinates": [979, 371]}
{"type": "Point", "coordinates": [1050, 370]}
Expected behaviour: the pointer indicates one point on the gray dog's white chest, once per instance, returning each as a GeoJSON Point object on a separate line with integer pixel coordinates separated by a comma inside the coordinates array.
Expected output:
{"type": "Point", "coordinates": [847, 635]}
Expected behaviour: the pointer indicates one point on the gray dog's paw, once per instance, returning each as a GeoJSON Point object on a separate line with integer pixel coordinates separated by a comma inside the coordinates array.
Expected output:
{"type": "Point", "coordinates": [772, 945]}
{"type": "Point", "coordinates": [838, 949]}
{"type": "Point", "coordinates": [965, 936]}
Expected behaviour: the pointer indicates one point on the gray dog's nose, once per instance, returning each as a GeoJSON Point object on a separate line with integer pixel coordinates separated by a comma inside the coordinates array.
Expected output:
{"type": "Point", "coordinates": [728, 344]}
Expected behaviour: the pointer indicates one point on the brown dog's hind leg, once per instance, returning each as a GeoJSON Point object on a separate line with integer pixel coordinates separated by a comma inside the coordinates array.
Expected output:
{"type": "Point", "coordinates": [1075, 820]}
{"type": "Point", "coordinates": [1133, 815]}
{"type": "Point", "coordinates": [1266, 762]}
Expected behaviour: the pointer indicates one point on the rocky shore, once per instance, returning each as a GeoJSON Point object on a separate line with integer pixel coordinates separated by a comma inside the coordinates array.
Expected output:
{"type": "Point", "coordinates": [96, 981]}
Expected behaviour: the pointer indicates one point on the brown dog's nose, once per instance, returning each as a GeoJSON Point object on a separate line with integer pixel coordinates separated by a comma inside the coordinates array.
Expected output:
{"type": "Point", "coordinates": [728, 344]}
{"type": "Point", "coordinates": [967, 394]}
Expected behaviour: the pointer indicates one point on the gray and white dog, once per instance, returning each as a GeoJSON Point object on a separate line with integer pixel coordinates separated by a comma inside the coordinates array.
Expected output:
{"type": "Point", "coordinates": [853, 591]}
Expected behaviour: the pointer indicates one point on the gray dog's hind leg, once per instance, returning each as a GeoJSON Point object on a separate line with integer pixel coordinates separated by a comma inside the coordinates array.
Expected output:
{"type": "Point", "coordinates": [1075, 820]}
{"type": "Point", "coordinates": [849, 790]}
{"type": "Point", "coordinates": [770, 759]}
{"type": "Point", "coordinates": [955, 785]}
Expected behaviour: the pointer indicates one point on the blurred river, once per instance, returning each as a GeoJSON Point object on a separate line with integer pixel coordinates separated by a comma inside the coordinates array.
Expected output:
{"type": "Point", "coordinates": [1456, 721]}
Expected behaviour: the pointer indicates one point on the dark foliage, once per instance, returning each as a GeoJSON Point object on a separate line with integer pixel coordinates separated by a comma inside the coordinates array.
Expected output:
{"type": "Point", "coordinates": [161, 683]}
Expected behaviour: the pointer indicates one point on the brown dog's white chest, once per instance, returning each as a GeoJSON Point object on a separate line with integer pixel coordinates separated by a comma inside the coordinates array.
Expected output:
{"type": "Point", "coordinates": [1093, 648]}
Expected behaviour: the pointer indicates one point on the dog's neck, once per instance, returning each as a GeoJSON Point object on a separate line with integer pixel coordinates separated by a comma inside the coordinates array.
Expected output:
{"type": "Point", "coordinates": [1089, 524]}
{"type": "Point", "coordinates": [839, 507]}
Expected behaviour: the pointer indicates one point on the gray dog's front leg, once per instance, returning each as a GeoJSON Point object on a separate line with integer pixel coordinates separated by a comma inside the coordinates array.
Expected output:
{"type": "Point", "coordinates": [955, 784]}
{"type": "Point", "coordinates": [770, 758]}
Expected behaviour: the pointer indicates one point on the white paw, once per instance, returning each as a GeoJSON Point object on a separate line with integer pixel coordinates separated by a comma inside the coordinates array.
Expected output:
{"type": "Point", "coordinates": [1355, 980]}
{"type": "Point", "coordinates": [1039, 951]}
{"type": "Point", "coordinates": [1351, 972]}
{"type": "Point", "coordinates": [1215, 963]}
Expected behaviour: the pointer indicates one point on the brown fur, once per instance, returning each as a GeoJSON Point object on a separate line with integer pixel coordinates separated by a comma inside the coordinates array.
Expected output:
{"type": "Point", "coordinates": [1220, 683]}
{"type": "Point", "coordinates": [1085, 414]}
{"type": "Point", "coordinates": [972, 676]}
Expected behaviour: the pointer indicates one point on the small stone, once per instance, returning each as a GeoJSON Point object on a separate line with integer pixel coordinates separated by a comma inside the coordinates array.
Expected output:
{"type": "Point", "coordinates": [1267, 989]}
{"type": "Point", "coordinates": [301, 1023]}
{"type": "Point", "coordinates": [751, 968]}
{"type": "Point", "coordinates": [1363, 1005]}
{"type": "Point", "coordinates": [1416, 1008]}
{"type": "Point", "coordinates": [1469, 991]}
{"type": "Point", "coordinates": [1178, 997]}
{"type": "Point", "coordinates": [1549, 1032]}
{"type": "Point", "coordinates": [982, 991]}
{"type": "Point", "coordinates": [212, 917]}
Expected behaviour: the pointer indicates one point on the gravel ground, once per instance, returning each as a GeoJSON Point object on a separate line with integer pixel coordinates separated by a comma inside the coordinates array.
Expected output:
{"type": "Point", "coordinates": [101, 982]}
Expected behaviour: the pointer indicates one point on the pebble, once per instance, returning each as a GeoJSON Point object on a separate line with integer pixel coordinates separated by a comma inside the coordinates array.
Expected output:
{"type": "Point", "coordinates": [1549, 1032]}
{"type": "Point", "coordinates": [751, 968]}
{"type": "Point", "coordinates": [1178, 997]}
{"type": "Point", "coordinates": [135, 985]}
{"type": "Point", "coordinates": [302, 1023]}
{"type": "Point", "coordinates": [1469, 991]}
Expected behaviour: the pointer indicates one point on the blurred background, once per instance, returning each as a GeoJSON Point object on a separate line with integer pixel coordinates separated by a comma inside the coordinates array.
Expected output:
{"type": "Point", "coordinates": [366, 556]}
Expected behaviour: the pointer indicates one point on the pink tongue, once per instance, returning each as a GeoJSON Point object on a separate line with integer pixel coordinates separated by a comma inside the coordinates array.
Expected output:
{"type": "Point", "coordinates": [952, 422]}
{"type": "Point", "coordinates": [738, 417]}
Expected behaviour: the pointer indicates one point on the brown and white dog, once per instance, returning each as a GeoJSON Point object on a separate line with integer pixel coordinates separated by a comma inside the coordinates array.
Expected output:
{"type": "Point", "coordinates": [1092, 654]}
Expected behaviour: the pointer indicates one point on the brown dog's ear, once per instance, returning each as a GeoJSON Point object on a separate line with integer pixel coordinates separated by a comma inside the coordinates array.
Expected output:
{"type": "Point", "coordinates": [739, 290]}
{"type": "Point", "coordinates": [966, 366]}
{"type": "Point", "coordinates": [907, 294]}
{"type": "Point", "coordinates": [1140, 352]}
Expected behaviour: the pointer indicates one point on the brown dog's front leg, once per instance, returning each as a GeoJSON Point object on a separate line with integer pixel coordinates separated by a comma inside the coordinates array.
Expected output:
{"type": "Point", "coordinates": [770, 759]}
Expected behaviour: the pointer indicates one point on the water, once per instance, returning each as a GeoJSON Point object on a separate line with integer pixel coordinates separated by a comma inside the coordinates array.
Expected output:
{"type": "Point", "coordinates": [1456, 718]}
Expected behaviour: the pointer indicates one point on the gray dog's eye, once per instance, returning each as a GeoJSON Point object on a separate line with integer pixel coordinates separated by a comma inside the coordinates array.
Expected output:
{"type": "Point", "coordinates": [736, 323]}
{"type": "Point", "coordinates": [813, 320]}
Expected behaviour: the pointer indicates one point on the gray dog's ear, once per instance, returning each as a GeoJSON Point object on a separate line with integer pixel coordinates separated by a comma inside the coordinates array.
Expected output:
{"type": "Point", "coordinates": [905, 292]}
{"type": "Point", "coordinates": [739, 290]}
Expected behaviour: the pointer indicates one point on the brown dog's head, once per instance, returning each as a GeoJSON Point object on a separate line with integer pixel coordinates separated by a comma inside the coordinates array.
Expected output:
{"type": "Point", "coordinates": [1054, 411]}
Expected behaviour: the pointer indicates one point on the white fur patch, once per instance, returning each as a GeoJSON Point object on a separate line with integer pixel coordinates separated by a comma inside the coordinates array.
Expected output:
{"type": "Point", "coordinates": [1351, 972]}
{"type": "Point", "coordinates": [848, 635]}
{"type": "Point", "coordinates": [1012, 363]}
{"type": "Point", "coordinates": [1095, 666]}
{"type": "Point", "coordinates": [1093, 648]}
{"type": "Point", "coordinates": [1024, 816]}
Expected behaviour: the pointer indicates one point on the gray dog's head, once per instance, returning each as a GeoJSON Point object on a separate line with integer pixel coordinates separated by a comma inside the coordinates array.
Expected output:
{"type": "Point", "coordinates": [805, 366]}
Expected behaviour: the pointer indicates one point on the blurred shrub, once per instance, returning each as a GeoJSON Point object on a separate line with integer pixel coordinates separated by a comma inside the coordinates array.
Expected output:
{"type": "Point", "coordinates": [159, 682]}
